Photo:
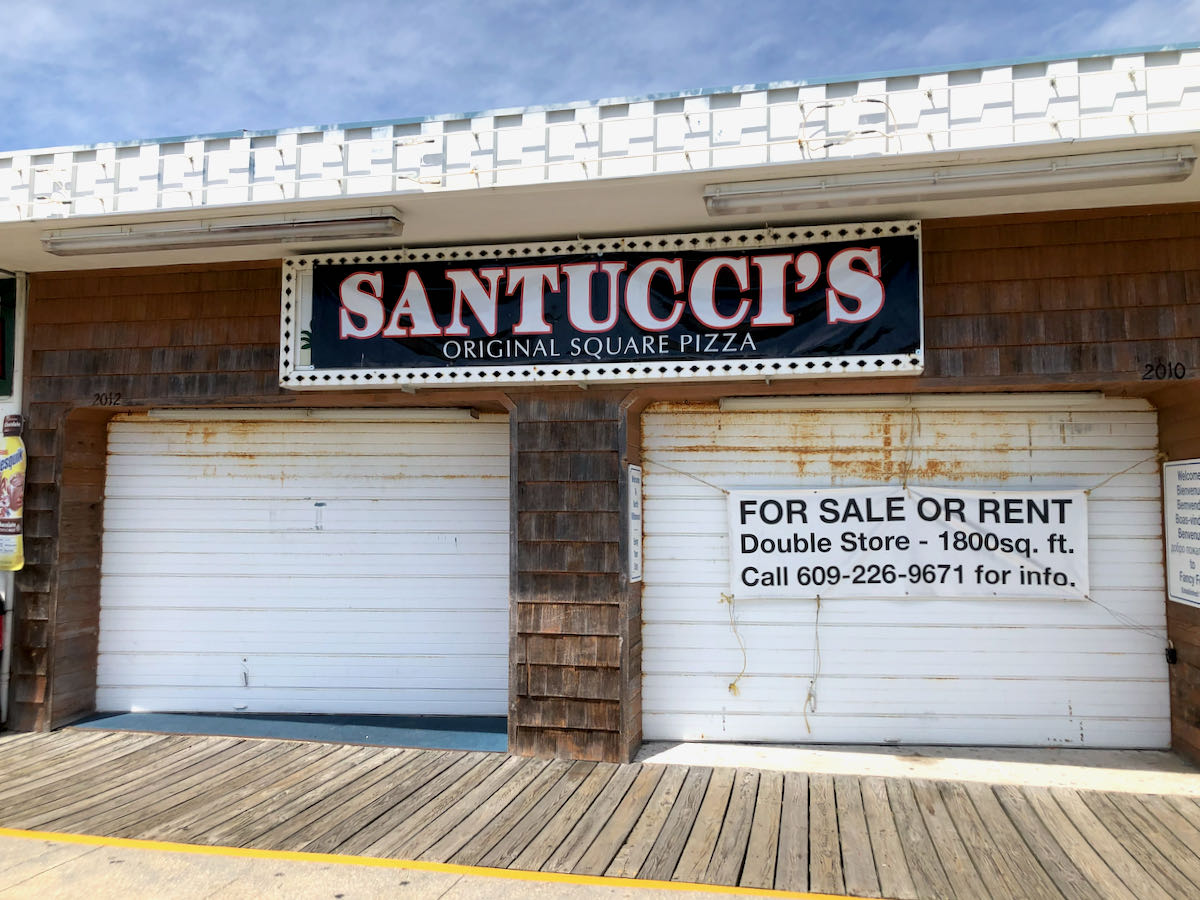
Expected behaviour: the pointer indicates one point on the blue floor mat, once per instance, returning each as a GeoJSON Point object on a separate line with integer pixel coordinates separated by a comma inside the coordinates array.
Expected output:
{"type": "Point", "coordinates": [431, 732]}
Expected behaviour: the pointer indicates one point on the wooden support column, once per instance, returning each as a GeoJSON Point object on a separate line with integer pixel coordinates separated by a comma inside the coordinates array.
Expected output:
{"type": "Point", "coordinates": [1179, 438]}
{"type": "Point", "coordinates": [575, 640]}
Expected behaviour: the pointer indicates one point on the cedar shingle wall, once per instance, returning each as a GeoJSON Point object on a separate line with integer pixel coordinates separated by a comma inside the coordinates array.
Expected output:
{"type": "Point", "coordinates": [1068, 301]}
{"type": "Point", "coordinates": [156, 338]}
{"type": "Point", "coordinates": [570, 650]}
{"type": "Point", "coordinates": [1179, 436]}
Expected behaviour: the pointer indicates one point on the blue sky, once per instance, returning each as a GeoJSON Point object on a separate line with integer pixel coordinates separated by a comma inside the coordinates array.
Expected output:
{"type": "Point", "coordinates": [93, 71]}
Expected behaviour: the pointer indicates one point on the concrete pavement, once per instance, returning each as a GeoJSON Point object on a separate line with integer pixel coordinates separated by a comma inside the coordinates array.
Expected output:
{"type": "Point", "coordinates": [96, 868]}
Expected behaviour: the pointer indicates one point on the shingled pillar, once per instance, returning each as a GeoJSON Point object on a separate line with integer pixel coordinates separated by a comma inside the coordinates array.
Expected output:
{"type": "Point", "coordinates": [575, 639]}
{"type": "Point", "coordinates": [1179, 438]}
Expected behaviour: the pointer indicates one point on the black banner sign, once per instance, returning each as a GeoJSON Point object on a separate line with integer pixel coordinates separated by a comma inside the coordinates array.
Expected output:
{"type": "Point", "coordinates": [630, 314]}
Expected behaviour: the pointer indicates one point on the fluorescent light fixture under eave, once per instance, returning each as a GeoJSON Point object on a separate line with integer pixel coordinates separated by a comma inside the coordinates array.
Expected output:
{"type": "Point", "coordinates": [1064, 173]}
{"type": "Point", "coordinates": [317, 227]}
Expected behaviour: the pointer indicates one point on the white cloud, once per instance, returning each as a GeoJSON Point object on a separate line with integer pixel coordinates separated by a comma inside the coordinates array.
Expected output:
{"type": "Point", "coordinates": [85, 71]}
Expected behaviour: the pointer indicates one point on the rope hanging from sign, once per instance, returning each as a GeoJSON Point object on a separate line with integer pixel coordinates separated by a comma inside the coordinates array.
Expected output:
{"type": "Point", "coordinates": [914, 428]}
{"type": "Point", "coordinates": [1158, 457]}
{"type": "Point", "coordinates": [733, 685]}
{"type": "Point", "coordinates": [654, 462]}
{"type": "Point", "coordinates": [810, 699]}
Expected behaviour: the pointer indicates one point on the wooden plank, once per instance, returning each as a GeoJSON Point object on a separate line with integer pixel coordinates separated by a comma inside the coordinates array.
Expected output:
{"type": "Point", "coordinates": [376, 801]}
{"type": "Point", "coordinates": [37, 752]}
{"type": "Point", "coordinates": [634, 852]}
{"type": "Point", "coordinates": [225, 826]}
{"type": "Point", "coordinates": [1055, 860]}
{"type": "Point", "coordinates": [824, 846]}
{"type": "Point", "coordinates": [112, 758]}
{"type": "Point", "coordinates": [47, 763]}
{"type": "Point", "coordinates": [791, 866]}
{"type": "Point", "coordinates": [58, 810]}
{"type": "Point", "coordinates": [510, 846]}
{"type": "Point", "coordinates": [534, 773]}
{"type": "Point", "coordinates": [1021, 866]}
{"type": "Point", "coordinates": [419, 789]}
{"type": "Point", "coordinates": [725, 867]}
{"type": "Point", "coordinates": [190, 822]}
{"type": "Point", "coordinates": [1109, 849]}
{"type": "Point", "coordinates": [272, 759]}
{"type": "Point", "coordinates": [510, 767]}
{"type": "Point", "coordinates": [762, 851]}
{"type": "Point", "coordinates": [620, 823]}
{"type": "Point", "coordinates": [76, 767]}
{"type": "Point", "coordinates": [1161, 853]}
{"type": "Point", "coordinates": [858, 860]}
{"type": "Point", "coordinates": [919, 851]}
{"type": "Point", "coordinates": [1186, 807]}
{"type": "Point", "coordinates": [951, 852]}
{"type": "Point", "coordinates": [538, 851]}
{"type": "Point", "coordinates": [668, 847]}
{"type": "Point", "coordinates": [333, 772]}
{"type": "Point", "coordinates": [894, 878]}
{"type": "Point", "coordinates": [1175, 822]}
{"type": "Point", "coordinates": [580, 837]}
{"type": "Point", "coordinates": [701, 843]}
{"type": "Point", "coordinates": [419, 819]}
{"type": "Point", "coordinates": [989, 860]}
{"type": "Point", "coordinates": [485, 838]}
{"type": "Point", "coordinates": [376, 795]}
{"type": "Point", "coordinates": [1101, 872]}
{"type": "Point", "coordinates": [364, 772]}
{"type": "Point", "coordinates": [166, 793]}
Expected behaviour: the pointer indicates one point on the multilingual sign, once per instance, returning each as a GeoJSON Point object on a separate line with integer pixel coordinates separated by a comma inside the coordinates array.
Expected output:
{"type": "Point", "coordinates": [908, 542]}
{"type": "Point", "coordinates": [812, 301]}
{"type": "Point", "coordinates": [633, 475]}
{"type": "Point", "coordinates": [1181, 510]}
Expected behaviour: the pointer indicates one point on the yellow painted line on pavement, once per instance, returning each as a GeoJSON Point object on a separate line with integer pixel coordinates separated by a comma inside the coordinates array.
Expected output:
{"type": "Point", "coordinates": [93, 840]}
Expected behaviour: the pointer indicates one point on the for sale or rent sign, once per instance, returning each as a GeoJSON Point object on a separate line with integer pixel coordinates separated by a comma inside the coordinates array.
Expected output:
{"type": "Point", "coordinates": [807, 301]}
{"type": "Point", "coordinates": [908, 542]}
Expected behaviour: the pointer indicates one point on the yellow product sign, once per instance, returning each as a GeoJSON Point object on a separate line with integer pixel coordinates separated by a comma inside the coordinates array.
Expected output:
{"type": "Point", "coordinates": [12, 503]}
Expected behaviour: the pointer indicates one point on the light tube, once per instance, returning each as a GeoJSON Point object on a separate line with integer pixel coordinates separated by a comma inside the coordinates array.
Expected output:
{"type": "Point", "coordinates": [346, 225]}
{"type": "Point", "coordinates": [1064, 173]}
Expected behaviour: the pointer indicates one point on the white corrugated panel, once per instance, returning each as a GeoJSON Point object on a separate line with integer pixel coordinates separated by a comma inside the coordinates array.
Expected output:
{"type": "Point", "coordinates": [305, 565]}
{"type": "Point", "coordinates": [912, 670]}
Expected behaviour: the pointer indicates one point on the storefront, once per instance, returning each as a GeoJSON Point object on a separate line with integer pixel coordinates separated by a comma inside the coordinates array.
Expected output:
{"type": "Point", "coordinates": [343, 562]}
{"type": "Point", "coordinates": [598, 450]}
{"type": "Point", "coordinates": [939, 610]}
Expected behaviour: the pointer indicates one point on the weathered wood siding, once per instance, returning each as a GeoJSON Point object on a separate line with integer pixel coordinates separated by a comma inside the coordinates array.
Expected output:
{"type": "Point", "coordinates": [1062, 300]}
{"type": "Point", "coordinates": [1179, 435]}
{"type": "Point", "coordinates": [575, 682]}
{"type": "Point", "coordinates": [155, 337]}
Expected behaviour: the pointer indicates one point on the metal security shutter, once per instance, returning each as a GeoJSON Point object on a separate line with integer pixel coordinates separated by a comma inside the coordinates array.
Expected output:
{"type": "Point", "coordinates": [914, 670]}
{"type": "Point", "coordinates": [264, 562]}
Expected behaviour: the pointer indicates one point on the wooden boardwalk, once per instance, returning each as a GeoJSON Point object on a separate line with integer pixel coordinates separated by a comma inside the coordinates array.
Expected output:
{"type": "Point", "coordinates": [863, 836]}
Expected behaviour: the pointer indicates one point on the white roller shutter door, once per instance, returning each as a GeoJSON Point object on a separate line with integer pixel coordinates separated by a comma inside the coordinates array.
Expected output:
{"type": "Point", "coordinates": [962, 671]}
{"type": "Point", "coordinates": [274, 563]}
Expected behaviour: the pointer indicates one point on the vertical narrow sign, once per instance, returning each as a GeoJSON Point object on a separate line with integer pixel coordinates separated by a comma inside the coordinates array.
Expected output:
{"type": "Point", "coordinates": [1181, 510]}
{"type": "Point", "coordinates": [634, 524]}
{"type": "Point", "coordinates": [12, 496]}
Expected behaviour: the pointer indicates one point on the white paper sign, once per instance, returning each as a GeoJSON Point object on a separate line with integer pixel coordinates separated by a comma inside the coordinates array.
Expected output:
{"type": "Point", "coordinates": [1181, 511]}
{"type": "Point", "coordinates": [893, 541]}
{"type": "Point", "coordinates": [635, 523]}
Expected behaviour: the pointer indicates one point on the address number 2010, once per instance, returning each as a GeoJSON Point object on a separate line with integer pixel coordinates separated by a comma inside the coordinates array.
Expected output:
{"type": "Point", "coordinates": [1162, 370]}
